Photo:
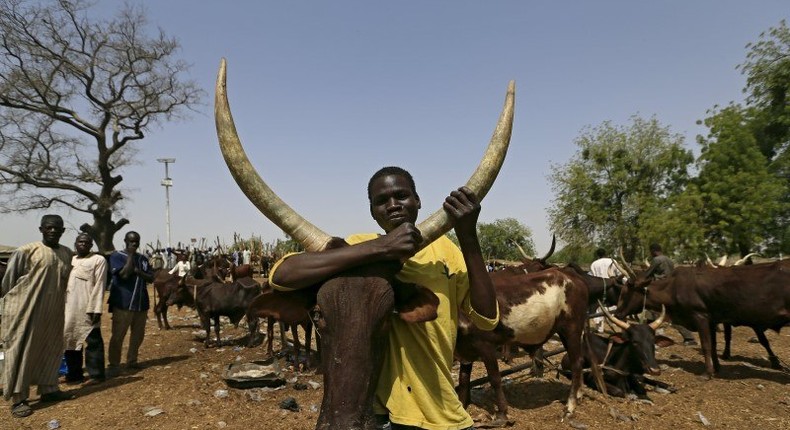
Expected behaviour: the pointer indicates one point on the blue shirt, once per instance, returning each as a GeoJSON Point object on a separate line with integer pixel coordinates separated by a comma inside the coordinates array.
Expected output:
{"type": "Point", "coordinates": [131, 293]}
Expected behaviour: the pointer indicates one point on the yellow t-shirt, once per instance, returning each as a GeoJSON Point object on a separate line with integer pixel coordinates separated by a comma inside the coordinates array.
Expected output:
{"type": "Point", "coordinates": [415, 386]}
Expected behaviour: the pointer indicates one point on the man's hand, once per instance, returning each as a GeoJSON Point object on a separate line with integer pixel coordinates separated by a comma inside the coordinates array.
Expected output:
{"type": "Point", "coordinates": [463, 207]}
{"type": "Point", "coordinates": [401, 243]}
{"type": "Point", "coordinates": [95, 318]}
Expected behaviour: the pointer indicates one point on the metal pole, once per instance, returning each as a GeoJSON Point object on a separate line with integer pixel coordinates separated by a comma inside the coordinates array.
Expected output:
{"type": "Point", "coordinates": [167, 183]}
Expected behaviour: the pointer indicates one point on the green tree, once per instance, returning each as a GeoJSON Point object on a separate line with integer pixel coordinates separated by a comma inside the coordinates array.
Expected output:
{"type": "Point", "coordinates": [618, 174]}
{"type": "Point", "coordinates": [498, 239]}
{"type": "Point", "coordinates": [678, 226]}
{"type": "Point", "coordinates": [75, 96]}
{"type": "Point", "coordinates": [738, 191]}
{"type": "Point", "coordinates": [767, 70]}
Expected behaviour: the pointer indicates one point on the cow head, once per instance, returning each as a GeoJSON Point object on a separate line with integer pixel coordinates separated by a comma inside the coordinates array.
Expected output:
{"type": "Point", "coordinates": [643, 340]}
{"type": "Point", "coordinates": [532, 264]}
{"type": "Point", "coordinates": [633, 292]}
{"type": "Point", "coordinates": [354, 306]}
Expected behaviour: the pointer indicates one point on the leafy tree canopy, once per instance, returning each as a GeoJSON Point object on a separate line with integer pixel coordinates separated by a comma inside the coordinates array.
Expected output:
{"type": "Point", "coordinates": [618, 174]}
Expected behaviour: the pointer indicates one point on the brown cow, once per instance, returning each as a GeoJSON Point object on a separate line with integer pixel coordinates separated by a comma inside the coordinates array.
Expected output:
{"type": "Point", "coordinates": [356, 305]}
{"type": "Point", "coordinates": [215, 299]}
{"type": "Point", "coordinates": [756, 296]}
{"type": "Point", "coordinates": [294, 311]}
{"type": "Point", "coordinates": [533, 307]}
{"type": "Point", "coordinates": [166, 295]}
{"type": "Point", "coordinates": [240, 271]}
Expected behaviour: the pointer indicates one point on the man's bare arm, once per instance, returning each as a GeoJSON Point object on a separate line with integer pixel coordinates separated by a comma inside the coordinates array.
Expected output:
{"type": "Point", "coordinates": [309, 268]}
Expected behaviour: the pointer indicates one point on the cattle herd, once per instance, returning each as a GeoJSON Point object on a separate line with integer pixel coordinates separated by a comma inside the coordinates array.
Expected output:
{"type": "Point", "coordinates": [537, 301]}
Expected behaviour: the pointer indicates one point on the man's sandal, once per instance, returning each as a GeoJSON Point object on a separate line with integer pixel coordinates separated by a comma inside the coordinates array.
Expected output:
{"type": "Point", "coordinates": [21, 409]}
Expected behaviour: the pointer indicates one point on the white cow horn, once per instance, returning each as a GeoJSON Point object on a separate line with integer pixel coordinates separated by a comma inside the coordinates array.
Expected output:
{"type": "Point", "coordinates": [657, 323]}
{"type": "Point", "coordinates": [251, 184]}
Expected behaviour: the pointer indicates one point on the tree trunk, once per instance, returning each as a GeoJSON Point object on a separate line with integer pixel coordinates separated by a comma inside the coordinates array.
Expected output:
{"type": "Point", "coordinates": [103, 229]}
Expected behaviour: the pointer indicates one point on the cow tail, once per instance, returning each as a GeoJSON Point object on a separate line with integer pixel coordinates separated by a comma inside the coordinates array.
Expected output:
{"type": "Point", "coordinates": [595, 367]}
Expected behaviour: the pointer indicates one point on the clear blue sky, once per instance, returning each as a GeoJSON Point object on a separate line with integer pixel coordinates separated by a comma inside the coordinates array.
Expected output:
{"type": "Point", "coordinates": [325, 93]}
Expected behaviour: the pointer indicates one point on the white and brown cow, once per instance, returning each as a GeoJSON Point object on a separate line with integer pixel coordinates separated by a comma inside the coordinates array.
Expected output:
{"type": "Point", "coordinates": [533, 307]}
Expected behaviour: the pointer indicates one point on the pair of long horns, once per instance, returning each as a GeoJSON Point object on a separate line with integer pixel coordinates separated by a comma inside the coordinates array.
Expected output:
{"type": "Point", "coordinates": [624, 325]}
{"type": "Point", "coordinates": [301, 230]}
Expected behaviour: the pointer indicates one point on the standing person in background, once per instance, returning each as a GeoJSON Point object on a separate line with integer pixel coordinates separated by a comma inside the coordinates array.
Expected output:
{"type": "Point", "coordinates": [246, 256]}
{"type": "Point", "coordinates": [84, 302]}
{"type": "Point", "coordinates": [603, 267]}
{"type": "Point", "coordinates": [33, 290]}
{"type": "Point", "coordinates": [182, 267]}
{"type": "Point", "coordinates": [128, 302]}
{"type": "Point", "coordinates": [662, 266]}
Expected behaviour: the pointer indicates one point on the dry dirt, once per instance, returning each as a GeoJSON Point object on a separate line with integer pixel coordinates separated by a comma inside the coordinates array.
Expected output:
{"type": "Point", "coordinates": [182, 384]}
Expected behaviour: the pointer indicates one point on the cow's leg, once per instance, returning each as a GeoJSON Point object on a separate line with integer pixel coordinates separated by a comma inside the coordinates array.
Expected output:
{"type": "Point", "coordinates": [283, 339]}
{"type": "Point", "coordinates": [463, 388]}
{"type": "Point", "coordinates": [659, 384]}
{"type": "Point", "coordinates": [495, 379]}
{"type": "Point", "coordinates": [713, 354]}
{"type": "Point", "coordinates": [573, 346]}
{"type": "Point", "coordinates": [270, 336]}
{"type": "Point", "coordinates": [727, 339]}
{"type": "Point", "coordinates": [164, 316]}
{"type": "Point", "coordinates": [297, 346]}
{"type": "Point", "coordinates": [216, 330]}
{"type": "Point", "coordinates": [308, 340]}
{"type": "Point", "coordinates": [158, 313]}
{"type": "Point", "coordinates": [775, 364]}
{"type": "Point", "coordinates": [537, 362]}
{"type": "Point", "coordinates": [205, 322]}
{"type": "Point", "coordinates": [636, 386]}
{"type": "Point", "coordinates": [706, 340]}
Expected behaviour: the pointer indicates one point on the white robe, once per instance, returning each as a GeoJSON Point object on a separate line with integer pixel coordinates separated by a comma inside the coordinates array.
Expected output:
{"type": "Point", "coordinates": [34, 292]}
{"type": "Point", "coordinates": [85, 295]}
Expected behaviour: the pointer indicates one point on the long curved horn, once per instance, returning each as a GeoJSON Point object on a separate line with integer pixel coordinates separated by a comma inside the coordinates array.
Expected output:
{"type": "Point", "coordinates": [521, 250]}
{"type": "Point", "coordinates": [483, 177]}
{"type": "Point", "coordinates": [723, 260]}
{"type": "Point", "coordinates": [743, 260]}
{"type": "Point", "coordinates": [616, 321]}
{"type": "Point", "coordinates": [625, 264]}
{"type": "Point", "coordinates": [709, 262]}
{"type": "Point", "coordinates": [657, 323]}
{"type": "Point", "coordinates": [256, 190]}
{"type": "Point", "coordinates": [551, 250]}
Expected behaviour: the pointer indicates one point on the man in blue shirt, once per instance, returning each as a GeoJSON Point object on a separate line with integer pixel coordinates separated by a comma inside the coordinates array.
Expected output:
{"type": "Point", "coordinates": [128, 302]}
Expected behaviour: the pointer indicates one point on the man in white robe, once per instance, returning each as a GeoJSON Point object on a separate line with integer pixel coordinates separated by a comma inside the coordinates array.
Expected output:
{"type": "Point", "coordinates": [84, 302]}
{"type": "Point", "coordinates": [34, 292]}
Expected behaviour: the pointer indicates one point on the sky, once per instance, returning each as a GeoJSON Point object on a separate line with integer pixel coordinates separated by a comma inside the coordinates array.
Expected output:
{"type": "Point", "coordinates": [325, 93]}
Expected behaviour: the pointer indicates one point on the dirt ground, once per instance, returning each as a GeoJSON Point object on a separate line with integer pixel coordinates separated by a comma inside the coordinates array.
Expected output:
{"type": "Point", "coordinates": [178, 389]}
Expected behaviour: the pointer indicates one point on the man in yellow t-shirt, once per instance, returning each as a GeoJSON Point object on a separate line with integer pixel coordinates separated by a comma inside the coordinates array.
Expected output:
{"type": "Point", "coordinates": [415, 388]}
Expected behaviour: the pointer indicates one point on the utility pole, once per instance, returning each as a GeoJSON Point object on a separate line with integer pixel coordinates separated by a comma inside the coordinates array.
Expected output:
{"type": "Point", "coordinates": [167, 183]}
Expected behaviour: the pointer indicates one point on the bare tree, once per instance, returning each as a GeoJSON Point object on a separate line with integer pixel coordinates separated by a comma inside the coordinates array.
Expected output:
{"type": "Point", "coordinates": [75, 95]}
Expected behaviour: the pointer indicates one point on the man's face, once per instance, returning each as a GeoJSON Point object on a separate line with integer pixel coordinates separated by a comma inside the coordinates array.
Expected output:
{"type": "Point", "coordinates": [393, 202]}
{"type": "Point", "coordinates": [83, 245]}
{"type": "Point", "coordinates": [132, 242]}
{"type": "Point", "coordinates": [51, 231]}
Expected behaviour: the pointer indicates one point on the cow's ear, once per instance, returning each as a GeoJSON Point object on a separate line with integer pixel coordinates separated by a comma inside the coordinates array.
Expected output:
{"type": "Point", "coordinates": [618, 338]}
{"type": "Point", "coordinates": [415, 303]}
{"type": "Point", "coordinates": [664, 341]}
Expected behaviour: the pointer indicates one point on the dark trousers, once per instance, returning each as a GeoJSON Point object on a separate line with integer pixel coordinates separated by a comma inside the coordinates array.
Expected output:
{"type": "Point", "coordinates": [94, 358]}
